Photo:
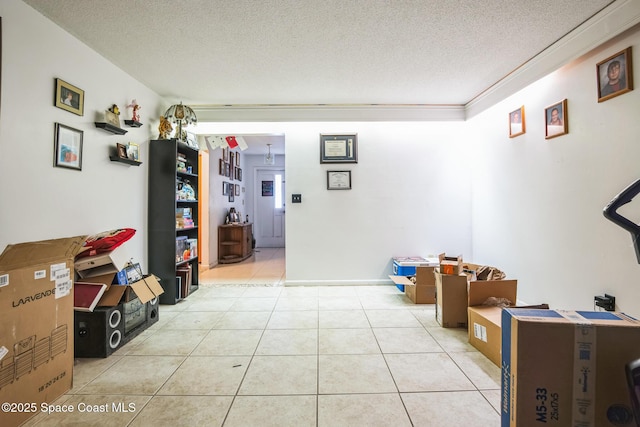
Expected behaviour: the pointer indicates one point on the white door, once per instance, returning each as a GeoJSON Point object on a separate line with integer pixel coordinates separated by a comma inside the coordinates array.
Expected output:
{"type": "Point", "coordinates": [269, 224]}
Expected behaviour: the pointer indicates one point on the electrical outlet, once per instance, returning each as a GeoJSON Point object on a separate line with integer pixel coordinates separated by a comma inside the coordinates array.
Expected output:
{"type": "Point", "coordinates": [608, 302]}
{"type": "Point", "coordinates": [296, 198]}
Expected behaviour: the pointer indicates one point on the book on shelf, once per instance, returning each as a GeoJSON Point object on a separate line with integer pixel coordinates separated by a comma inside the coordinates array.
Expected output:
{"type": "Point", "coordinates": [185, 274]}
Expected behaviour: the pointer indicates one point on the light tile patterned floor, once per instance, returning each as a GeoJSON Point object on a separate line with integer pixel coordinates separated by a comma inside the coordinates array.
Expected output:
{"type": "Point", "coordinates": [289, 356]}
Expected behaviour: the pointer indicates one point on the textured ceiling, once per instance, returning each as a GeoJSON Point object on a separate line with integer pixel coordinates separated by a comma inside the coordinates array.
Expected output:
{"type": "Point", "coordinates": [265, 52]}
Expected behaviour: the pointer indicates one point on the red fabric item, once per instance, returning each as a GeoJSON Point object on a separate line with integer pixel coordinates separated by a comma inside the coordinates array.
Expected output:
{"type": "Point", "coordinates": [106, 241]}
{"type": "Point", "coordinates": [231, 141]}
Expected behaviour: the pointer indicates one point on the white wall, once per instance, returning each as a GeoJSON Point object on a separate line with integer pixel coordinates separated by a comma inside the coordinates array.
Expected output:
{"type": "Point", "coordinates": [411, 195]}
{"type": "Point", "coordinates": [39, 201]}
{"type": "Point", "coordinates": [537, 204]}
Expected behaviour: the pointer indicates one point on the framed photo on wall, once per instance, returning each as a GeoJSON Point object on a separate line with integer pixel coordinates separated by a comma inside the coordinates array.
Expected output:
{"type": "Point", "coordinates": [338, 180]}
{"type": "Point", "coordinates": [67, 147]}
{"type": "Point", "coordinates": [615, 75]}
{"type": "Point", "coordinates": [338, 148]}
{"type": "Point", "coordinates": [516, 122]}
{"type": "Point", "coordinates": [556, 120]}
{"type": "Point", "coordinates": [69, 97]}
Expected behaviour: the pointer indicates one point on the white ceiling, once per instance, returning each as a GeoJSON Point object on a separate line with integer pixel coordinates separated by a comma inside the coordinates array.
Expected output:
{"type": "Point", "coordinates": [317, 52]}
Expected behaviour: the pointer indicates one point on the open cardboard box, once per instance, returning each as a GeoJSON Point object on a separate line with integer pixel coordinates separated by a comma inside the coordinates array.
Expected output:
{"type": "Point", "coordinates": [484, 321]}
{"type": "Point", "coordinates": [145, 290]}
{"type": "Point", "coordinates": [450, 265]}
{"type": "Point", "coordinates": [423, 291]}
{"type": "Point", "coordinates": [36, 318]}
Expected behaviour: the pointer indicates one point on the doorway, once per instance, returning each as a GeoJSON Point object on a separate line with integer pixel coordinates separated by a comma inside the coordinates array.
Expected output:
{"type": "Point", "coordinates": [269, 206]}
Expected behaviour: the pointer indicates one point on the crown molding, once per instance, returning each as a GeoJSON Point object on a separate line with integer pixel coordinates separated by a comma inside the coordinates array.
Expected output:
{"type": "Point", "coordinates": [327, 112]}
{"type": "Point", "coordinates": [611, 21]}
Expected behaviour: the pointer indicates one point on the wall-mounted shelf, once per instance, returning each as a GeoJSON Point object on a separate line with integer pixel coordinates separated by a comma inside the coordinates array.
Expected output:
{"type": "Point", "coordinates": [110, 128]}
{"type": "Point", "coordinates": [132, 123]}
{"type": "Point", "coordinates": [125, 161]}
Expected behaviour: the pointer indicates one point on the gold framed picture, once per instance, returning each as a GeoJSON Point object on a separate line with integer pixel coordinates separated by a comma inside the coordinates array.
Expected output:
{"type": "Point", "coordinates": [556, 120]}
{"type": "Point", "coordinates": [516, 122]}
{"type": "Point", "coordinates": [68, 97]}
{"type": "Point", "coordinates": [615, 75]}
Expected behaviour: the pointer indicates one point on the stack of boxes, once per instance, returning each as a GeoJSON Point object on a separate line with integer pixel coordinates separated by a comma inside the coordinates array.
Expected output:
{"type": "Point", "coordinates": [559, 368]}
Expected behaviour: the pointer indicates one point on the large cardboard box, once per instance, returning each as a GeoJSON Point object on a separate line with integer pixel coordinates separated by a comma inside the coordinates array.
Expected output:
{"type": "Point", "coordinates": [451, 300]}
{"type": "Point", "coordinates": [36, 318]}
{"type": "Point", "coordinates": [484, 321]}
{"type": "Point", "coordinates": [567, 368]}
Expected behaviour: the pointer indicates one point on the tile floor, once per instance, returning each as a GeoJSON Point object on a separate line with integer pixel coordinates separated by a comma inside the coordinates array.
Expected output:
{"type": "Point", "coordinates": [273, 355]}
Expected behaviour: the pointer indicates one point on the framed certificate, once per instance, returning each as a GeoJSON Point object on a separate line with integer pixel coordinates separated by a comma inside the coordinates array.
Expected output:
{"type": "Point", "coordinates": [338, 180]}
{"type": "Point", "coordinates": [338, 148]}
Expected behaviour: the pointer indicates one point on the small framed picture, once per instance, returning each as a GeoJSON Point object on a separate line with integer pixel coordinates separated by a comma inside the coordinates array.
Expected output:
{"type": "Point", "coordinates": [338, 148]}
{"type": "Point", "coordinates": [231, 199]}
{"type": "Point", "coordinates": [225, 189]}
{"type": "Point", "coordinates": [122, 151]}
{"type": "Point", "coordinates": [516, 122]}
{"type": "Point", "coordinates": [112, 118]}
{"type": "Point", "coordinates": [69, 97]}
{"type": "Point", "coordinates": [232, 160]}
{"type": "Point", "coordinates": [67, 147]}
{"type": "Point", "coordinates": [556, 120]}
{"type": "Point", "coordinates": [615, 75]}
{"type": "Point", "coordinates": [237, 190]}
{"type": "Point", "coordinates": [238, 159]}
{"type": "Point", "coordinates": [338, 180]}
{"type": "Point", "coordinates": [221, 166]}
{"type": "Point", "coordinates": [225, 154]}
{"type": "Point", "coordinates": [133, 152]}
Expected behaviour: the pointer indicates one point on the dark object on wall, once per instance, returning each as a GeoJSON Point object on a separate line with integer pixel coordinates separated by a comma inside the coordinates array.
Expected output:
{"type": "Point", "coordinates": [610, 212]}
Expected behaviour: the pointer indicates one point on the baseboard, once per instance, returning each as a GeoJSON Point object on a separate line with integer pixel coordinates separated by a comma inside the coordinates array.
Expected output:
{"type": "Point", "coordinates": [372, 282]}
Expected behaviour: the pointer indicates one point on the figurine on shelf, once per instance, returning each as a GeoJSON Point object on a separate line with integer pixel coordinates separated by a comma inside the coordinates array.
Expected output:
{"type": "Point", "coordinates": [115, 110]}
{"type": "Point", "coordinates": [165, 128]}
{"type": "Point", "coordinates": [135, 116]}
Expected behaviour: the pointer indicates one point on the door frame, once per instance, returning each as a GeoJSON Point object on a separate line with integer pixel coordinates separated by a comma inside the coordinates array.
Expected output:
{"type": "Point", "coordinates": [258, 189]}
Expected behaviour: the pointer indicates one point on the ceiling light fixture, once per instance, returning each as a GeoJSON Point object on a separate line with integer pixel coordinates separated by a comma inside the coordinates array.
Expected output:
{"type": "Point", "coordinates": [269, 159]}
{"type": "Point", "coordinates": [182, 115]}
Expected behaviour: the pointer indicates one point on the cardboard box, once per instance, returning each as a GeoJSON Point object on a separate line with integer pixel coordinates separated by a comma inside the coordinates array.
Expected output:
{"type": "Point", "coordinates": [484, 321]}
{"type": "Point", "coordinates": [451, 300]}
{"type": "Point", "coordinates": [450, 265]}
{"type": "Point", "coordinates": [36, 314]}
{"type": "Point", "coordinates": [567, 368]}
{"type": "Point", "coordinates": [423, 291]}
{"type": "Point", "coordinates": [146, 289]}
{"type": "Point", "coordinates": [101, 264]}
